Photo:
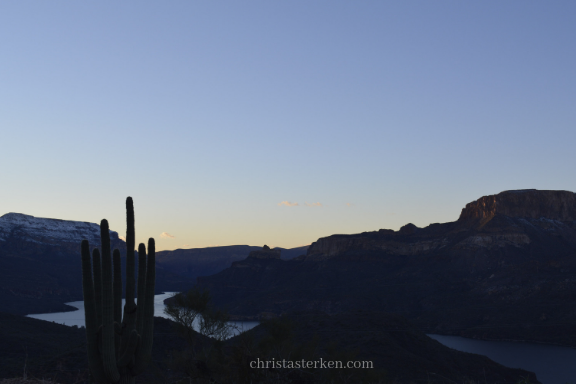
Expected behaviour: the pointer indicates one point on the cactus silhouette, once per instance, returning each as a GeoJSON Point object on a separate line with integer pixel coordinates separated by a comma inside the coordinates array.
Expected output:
{"type": "Point", "coordinates": [119, 347]}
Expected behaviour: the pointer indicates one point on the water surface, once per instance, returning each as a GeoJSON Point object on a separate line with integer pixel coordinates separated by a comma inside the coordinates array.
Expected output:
{"type": "Point", "coordinates": [76, 318]}
{"type": "Point", "coordinates": [552, 364]}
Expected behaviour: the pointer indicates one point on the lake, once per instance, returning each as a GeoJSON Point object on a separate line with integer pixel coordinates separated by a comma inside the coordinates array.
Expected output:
{"type": "Point", "coordinates": [73, 318]}
{"type": "Point", "coordinates": [552, 364]}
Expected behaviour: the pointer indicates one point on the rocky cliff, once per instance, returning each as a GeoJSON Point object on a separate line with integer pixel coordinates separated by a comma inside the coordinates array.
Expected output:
{"type": "Point", "coordinates": [525, 203]}
{"type": "Point", "coordinates": [504, 270]}
{"type": "Point", "coordinates": [514, 214]}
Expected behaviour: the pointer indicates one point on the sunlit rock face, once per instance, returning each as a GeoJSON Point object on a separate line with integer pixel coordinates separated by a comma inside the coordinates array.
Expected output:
{"type": "Point", "coordinates": [525, 203]}
{"type": "Point", "coordinates": [509, 218]}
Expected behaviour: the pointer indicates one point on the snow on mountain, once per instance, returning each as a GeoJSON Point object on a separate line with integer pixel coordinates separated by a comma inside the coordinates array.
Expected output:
{"type": "Point", "coordinates": [49, 231]}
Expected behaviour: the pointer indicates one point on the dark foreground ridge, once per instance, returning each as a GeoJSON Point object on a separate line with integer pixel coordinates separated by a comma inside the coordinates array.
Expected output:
{"type": "Point", "coordinates": [398, 350]}
{"type": "Point", "coordinates": [58, 352]}
{"type": "Point", "coordinates": [505, 270]}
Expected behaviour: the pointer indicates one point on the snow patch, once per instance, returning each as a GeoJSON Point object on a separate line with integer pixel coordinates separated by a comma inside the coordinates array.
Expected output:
{"type": "Point", "coordinates": [50, 229]}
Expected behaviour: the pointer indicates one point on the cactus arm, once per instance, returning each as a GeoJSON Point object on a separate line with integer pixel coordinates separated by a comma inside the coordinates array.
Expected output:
{"type": "Point", "coordinates": [117, 352]}
{"type": "Point", "coordinates": [141, 288]}
{"type": "Point", "coordinates": [94, 359]}
{"type": "Point", "coordinates": [108, 342]}
{"type": "Point", "coordinates": [117, 287]}
{"type": "Point", "coordinates": [128, 353]}
{"type": "Point", "coordinates": [129, 320]}
{"type": "Point", "coordinates": [144, 353]}
{"type": "Point", "coordinates": [117, 298]}
{"type": "Point", "coordinates": [97, 284]}
{"type": "Point", "coordinates": [130, 245]}
{"type": "Point", "coordinates": [117, 337]}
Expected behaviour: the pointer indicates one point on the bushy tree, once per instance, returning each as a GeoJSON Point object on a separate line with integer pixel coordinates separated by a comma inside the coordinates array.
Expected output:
{"type": "Point", "coordinates": [192, 313]}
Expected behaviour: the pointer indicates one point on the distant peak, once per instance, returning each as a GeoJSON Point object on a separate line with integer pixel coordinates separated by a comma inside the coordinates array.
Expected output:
{"type": "Point", "coordinates": [265, 253]}
{"type": "Point", "coordinates": [408, 229]}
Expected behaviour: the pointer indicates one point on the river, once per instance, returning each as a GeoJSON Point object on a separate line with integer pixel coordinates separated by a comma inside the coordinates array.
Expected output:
{"type": "Point", "coordinates": [552, 364]}
{"type": "Point", "coordinates": [73, 318]}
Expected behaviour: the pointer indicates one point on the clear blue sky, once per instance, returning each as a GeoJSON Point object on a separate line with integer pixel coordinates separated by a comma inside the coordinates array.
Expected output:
{"type": "Point", "coordinates": [212, 113]}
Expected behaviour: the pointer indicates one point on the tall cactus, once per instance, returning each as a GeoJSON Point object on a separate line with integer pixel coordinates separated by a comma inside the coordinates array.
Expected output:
{"type": "Point", "coordinates": [118, 348]}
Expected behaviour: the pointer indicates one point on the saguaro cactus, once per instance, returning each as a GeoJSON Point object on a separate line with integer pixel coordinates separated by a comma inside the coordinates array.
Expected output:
{"type": "Point", "coordinates": [119, 347]}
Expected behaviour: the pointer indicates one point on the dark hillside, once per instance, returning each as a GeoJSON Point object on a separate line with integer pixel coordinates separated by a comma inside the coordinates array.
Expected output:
{"type": "Point", "coordinates": [395, 347]}
{"type": "Point", "coordinates": [195, 262]}
{"type": "Point", "coordinates": [58, 352]}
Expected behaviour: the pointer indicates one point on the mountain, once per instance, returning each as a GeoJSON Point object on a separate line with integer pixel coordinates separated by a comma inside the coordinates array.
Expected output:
{"type": "Point", "coordinates": [40, 265]}
{"type": "Point", "coordinates": [195, 262]}
{"type": "Point", "coordinates": [40, 262]}
{"type": "Point", "coordinates": [51, 231]}
{"type": "Point", "coordinates": [506, 269]}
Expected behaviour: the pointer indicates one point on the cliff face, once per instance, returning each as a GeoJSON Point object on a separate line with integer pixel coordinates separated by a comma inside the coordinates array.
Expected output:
{"type": "Point", "coordinates": [495, 221]}
{"type": "Point", "coordinates": [527, 203]}
{"type": "Point", "coordinates": [509, 259]}
{"type": "Point", "coordinates": [397, 243]}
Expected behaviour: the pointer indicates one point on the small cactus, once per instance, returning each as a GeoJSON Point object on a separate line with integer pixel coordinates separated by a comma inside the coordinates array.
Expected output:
{"type": "Point", "coordinates": [119, 347]}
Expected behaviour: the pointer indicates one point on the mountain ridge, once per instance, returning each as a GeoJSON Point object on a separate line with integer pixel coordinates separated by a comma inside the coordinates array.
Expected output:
{"type": "Point", "coordinates": [472, 277]}
{"type": "Point", "coordinates": [40, 262]}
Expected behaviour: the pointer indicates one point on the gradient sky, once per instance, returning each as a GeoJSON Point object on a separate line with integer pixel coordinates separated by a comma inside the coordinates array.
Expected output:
{"type": "Point", "coordinates": [212, 113]}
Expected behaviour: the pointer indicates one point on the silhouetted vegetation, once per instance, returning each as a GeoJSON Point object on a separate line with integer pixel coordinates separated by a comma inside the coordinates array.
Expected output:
{"type": "Point", "coordinates": [119, 348]}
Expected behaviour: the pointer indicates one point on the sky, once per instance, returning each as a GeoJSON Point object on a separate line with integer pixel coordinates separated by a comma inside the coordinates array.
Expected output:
{"type": "Point", "coordinates": [280, 122]}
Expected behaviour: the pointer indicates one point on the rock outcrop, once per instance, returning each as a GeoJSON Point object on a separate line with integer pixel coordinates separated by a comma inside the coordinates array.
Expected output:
{"type": "Point", "coordinates": [265, 253]}
{"type": "Point", "coordinates": [524, 203]}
